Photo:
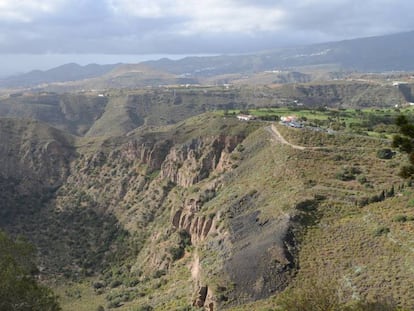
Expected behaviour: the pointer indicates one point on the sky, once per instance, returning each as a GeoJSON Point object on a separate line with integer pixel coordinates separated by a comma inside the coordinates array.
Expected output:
{"type": "Point", "coordinates": [45, 33]}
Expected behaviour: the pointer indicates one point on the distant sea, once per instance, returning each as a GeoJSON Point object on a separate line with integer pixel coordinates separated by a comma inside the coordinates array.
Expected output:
{"type": "Point", "coordinates": [12, 64]}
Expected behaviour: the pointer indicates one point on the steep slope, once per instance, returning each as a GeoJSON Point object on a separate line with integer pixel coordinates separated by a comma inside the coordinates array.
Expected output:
{"type": "Point", "coordinates": [74, 113]}
{"type": "Point", "coordinates": [35, 161]}
{"type": "Point", "coordinates": [210, 212]}
{"type": "Point", "coordinates": [357, 233]}
{"type": "Point", "coordinates": [161, 185]}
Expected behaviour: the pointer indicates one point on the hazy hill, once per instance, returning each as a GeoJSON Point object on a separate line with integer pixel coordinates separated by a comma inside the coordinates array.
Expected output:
{"type": "Point", "coordinates": [64, 73]}
{"type": "Point", "coordinates": [377, 54]}
{"type": "Point", "coordinates": [374, 54]}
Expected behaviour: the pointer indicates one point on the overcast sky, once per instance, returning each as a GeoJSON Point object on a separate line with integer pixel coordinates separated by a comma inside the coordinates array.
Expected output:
{"type": "Point", "coordinates": [187, 27]}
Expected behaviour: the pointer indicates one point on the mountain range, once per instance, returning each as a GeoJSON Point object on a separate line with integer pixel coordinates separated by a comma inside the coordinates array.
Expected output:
{"type": "Point", "coordinates": [374, 54]}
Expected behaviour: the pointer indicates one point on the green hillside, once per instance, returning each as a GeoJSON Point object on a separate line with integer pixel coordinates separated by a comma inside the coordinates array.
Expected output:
{"type": "Point", "coordinates": [213, 206]}
{"type": "Point", "coordinates": [163, 199]}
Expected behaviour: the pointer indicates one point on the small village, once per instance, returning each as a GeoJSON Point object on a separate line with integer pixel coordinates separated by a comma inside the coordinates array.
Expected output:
{"type": "Point", "coordinates": [291, 120]}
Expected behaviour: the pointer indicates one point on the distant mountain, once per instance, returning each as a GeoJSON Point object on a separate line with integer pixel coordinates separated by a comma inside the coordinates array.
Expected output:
{"type": "Point", "coordinates": [64, 73]}
{"type": "Point", "coordinates": [375, 54]}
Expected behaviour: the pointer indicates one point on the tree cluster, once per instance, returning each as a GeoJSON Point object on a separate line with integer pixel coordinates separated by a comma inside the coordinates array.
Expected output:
{"type": "Point", "coordinates": [18, 287]}
{"type": "Point", "coordinates": [405, 143]}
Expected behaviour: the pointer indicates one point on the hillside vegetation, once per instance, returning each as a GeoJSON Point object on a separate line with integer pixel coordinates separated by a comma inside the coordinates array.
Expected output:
{"type": "Point", "coordinates": [161, 199]}
{"type": "Point", "coordinates": [117, 112]}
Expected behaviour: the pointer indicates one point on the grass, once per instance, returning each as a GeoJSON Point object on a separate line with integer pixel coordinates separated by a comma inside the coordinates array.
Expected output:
{"type": "Point", "coordinates": [369, 121]}
{"type": "Point", "coordinates": [79, 296]}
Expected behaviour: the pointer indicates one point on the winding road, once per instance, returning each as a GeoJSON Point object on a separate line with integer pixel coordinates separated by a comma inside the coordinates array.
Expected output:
{"type": "Point", "coordinates": [279, 138]}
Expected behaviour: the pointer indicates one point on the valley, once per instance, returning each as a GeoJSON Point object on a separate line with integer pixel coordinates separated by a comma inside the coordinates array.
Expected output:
{"type": "Point", "coordinates": [161, 199]}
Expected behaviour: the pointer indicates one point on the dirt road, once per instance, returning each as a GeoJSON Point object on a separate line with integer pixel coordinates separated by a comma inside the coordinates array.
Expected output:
{"type": "Point", "coordinates": [279, 138]}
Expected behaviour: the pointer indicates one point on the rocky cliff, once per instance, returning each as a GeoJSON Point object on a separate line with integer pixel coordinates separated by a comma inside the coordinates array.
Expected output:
{"type": "Point", "coordinates": [157, 191]}
{"type": "Point", "coordinates": [210, 213]}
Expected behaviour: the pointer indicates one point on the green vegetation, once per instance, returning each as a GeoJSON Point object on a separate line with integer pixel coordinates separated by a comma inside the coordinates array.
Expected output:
{"type": "Point", "coordinates": [348, 173]}
{"type": "Point", "coordinates": [18, 287]}
{"type": "Point", "coordinates": [404, 141]}
{"type": "Point", "coordinates": [150, 217]}
{"type": "Point", "coordinates": [385, 154]}
{"type": "Point", "coordinates": [328, 295]}
{"type": "Point", "coordinates": [177, 252]}
{"type": "Point", "coordinates": [367, 121]}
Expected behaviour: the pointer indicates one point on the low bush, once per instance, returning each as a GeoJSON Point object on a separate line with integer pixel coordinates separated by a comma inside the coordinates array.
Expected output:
{"type": "Point", "coordinates": [327, 295]}
{"type": "Point", "coordinates": [381, 231]}
{"type": "Point", "coordinates": [144, 308]}
{"type": "Point", "coordinates": [400, 218]}
{"type": "Point", "coordinates": [385, 154]}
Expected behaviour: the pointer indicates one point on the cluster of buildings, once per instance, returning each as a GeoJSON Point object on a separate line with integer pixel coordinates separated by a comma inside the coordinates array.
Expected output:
{"type": "Point", "coordinates": [245, 117]}
{"type": "Point", "coordinates": [291, 121]}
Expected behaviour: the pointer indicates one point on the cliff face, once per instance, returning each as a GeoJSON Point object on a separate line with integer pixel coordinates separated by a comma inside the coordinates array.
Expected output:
{"type": "Point", "coordinates": [32, 150]}
{"type": "Point", "coordinates": [69, 112]}
{"type": "Point", "coordinates": [34, 162]}
{"type": "Point", "coordinates": [140, 173]}
{"type": "Point", "coordinates": [146, 198]}
{"type": "Point", "coordinates": [190, 163]}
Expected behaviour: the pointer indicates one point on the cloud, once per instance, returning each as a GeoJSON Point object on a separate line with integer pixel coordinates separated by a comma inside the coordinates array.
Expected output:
{"type": "Point", "coordinates": [203, 16]}
{"type": "Point", "coordinates": [189, 26]}
{"type": "Point", "coordinates": [26, 10]}
{"type": "Point", "coordinates": [346, 18]}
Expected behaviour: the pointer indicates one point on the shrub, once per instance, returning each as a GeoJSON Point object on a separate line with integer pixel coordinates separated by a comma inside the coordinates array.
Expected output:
{"type": "Point", "coordinates": [338, 157]}
{"type": "Point", "coordinates": [176, 252]}
{"type": "Point", "coordinates": [385, 154]}
{"type": "Point", "coordinates": [326, 295]}
{"type": "Point", "coordinates": [116, 303]}
{"type": "Point", "coordinates": [159, 273]}
{"type": "Point", "coordinates": [400, 218]}
{"type": "Point", "coordinates": [311, 295]}
{"type": "Point", "coordinates": [240, 148]}
{"type": "Point", "coordinates": [381, 231]}
{"type": "Point", "coordinates": [98, 284]}
{"type": "Point", "coordinates": [347, 173]}
{"type": "Point", "coordinates": [116, 283]}
{"type": "Point", "coordinates": [362, 179]}
{"type": "Point", "coordinates": [372, 306]}
{"type": "Point", "coordinates": [187, 308]}
{"type": "Point", "coordinates": [144, 308]}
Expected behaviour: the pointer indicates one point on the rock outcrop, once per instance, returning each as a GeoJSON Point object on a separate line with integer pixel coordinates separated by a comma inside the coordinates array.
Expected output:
{"type": "Point", "coordinates": [198, 226]}
{"type": "Point", "coordinates": [190, 163]}
{"type": "Point", "coordinates": [150, 153]}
